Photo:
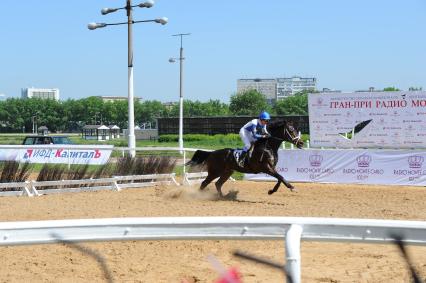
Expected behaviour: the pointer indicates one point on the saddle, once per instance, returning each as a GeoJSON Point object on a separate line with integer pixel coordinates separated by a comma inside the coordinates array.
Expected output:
{"type": "Point", "coordinates": [238, 152]}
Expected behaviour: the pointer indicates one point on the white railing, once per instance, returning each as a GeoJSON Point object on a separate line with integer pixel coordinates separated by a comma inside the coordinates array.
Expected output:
{"type": "Point", "coordinates": [293, 229]}
{"type": "Point", "coordinates": [197, 178]}
{"type": "Point", "coordinates": [24, 189]}
{"type": "Point", "coordinates": [34, 188]}
{"type": "Point", "coordinates": [194, 178]}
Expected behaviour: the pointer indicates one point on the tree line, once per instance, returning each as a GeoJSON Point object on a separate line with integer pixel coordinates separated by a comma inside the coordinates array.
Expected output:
{"type": "Point", "coordinates": [19, 115]}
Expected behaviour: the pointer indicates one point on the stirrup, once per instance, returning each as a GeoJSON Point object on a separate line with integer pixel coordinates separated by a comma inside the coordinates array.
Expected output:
{"type": "Point", "coordinates": [242, 159]}
{"type": "Point", "coordinates": [241, 162]}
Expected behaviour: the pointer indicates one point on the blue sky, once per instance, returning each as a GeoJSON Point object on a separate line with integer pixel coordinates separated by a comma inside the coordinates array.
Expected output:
{"type": "Point", "coordinates": [346, 44]}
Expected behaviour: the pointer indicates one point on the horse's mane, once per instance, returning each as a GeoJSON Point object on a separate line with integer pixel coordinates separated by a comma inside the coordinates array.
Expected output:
{"type": "Point", "coordinates": [276, 124]}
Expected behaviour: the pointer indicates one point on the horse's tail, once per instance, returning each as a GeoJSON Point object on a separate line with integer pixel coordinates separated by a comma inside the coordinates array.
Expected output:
{"type": "Point", "coordinates": [199, 157]}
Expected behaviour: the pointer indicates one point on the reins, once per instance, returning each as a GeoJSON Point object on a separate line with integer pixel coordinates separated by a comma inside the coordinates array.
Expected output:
{"type": "Point", "coordinates": [293, 139]}
{"type": "Point", "coordinates": [279, 139]}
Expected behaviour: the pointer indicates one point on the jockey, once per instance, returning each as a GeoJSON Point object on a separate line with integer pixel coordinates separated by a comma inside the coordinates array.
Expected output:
{"type": "Point", "coordinates": [251, 132]}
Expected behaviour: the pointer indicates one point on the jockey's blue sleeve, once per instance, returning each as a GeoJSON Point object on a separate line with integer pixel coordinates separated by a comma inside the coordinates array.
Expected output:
{"type": "Point", "coordinates": [255, 128]}
{"type": "Point", "coordinates": [257, 136]}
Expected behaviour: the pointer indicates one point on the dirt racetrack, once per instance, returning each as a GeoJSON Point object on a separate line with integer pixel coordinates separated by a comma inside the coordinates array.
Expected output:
{"type": "Point", "coordinates": [186, 261]}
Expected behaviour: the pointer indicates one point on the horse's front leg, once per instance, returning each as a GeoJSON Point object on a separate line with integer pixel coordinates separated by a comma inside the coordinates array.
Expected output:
{"type": "Point", "coordinates": [225, 176]}
{"type": "Point", "coordinates": [272, 172]}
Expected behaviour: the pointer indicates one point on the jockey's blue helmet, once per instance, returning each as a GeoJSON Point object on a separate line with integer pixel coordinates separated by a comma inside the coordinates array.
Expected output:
{"type": "Point", "coordinates": [264, 116]}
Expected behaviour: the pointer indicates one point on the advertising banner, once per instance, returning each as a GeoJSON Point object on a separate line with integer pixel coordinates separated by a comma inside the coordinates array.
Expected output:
{"type": "Point", "coordinates": [360, 166]}
{"type": "Point", "coordinates": [66, 154]}
{"type": "Point", "coordinates": [368, 119]}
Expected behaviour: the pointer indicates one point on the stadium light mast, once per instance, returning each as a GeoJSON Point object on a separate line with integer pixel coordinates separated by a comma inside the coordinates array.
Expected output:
{"type": "Point", "coordinates": [172, 60]}
{"type": "Point", "coordinates": [92, 26]}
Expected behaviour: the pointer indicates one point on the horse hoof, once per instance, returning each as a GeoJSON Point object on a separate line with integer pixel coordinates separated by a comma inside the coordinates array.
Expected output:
{"type": "Point", "coordinates": [270, 192]}
{"type": "Point", "coordinates": [293, 189]}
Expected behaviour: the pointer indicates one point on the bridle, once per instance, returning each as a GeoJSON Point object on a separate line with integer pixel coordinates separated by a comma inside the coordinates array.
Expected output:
{"type": "Point", "coordinates": [294, 139]}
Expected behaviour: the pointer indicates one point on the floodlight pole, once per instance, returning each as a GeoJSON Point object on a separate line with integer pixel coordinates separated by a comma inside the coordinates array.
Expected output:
{"type": "Point", "coordinates": [130, 22]}
{"type": "Point", "coordinates": [131, 123]}
{"type": "Point", "coordinates": [181, 58]}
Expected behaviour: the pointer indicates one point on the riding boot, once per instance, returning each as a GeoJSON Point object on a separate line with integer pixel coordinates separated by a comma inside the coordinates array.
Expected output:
{"type": "Point", "coordinates": [242, 159]}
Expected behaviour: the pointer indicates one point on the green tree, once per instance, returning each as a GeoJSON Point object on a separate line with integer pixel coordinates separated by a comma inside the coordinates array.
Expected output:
{"type": "Point", "coordinates": [18, 113]}
{"type": "Point", "coordinates": [149, 110]}
{"type": "Point", "coordinates": [250, 102]}
{"type": "Point", "coordinates": [216, 108]}
{"type": "Point", "coordinates": [391, 88]}
{"type": "Point", "coordinates": [293, 105]}
{"type": "Point", "coordinates": [197, 109]}
{"type": "Point", "coordinates": [121, 114]}
{"type": "Point", "coordinates": [50, 114]}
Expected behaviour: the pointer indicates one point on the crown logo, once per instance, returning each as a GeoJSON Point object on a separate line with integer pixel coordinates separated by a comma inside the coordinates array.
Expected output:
{"type": "Point", "coordinates": [415, 161]}
{"type": "Point", "coordinates": [363, 160]}
{"type": "Point", "coordinates": [315, 160]}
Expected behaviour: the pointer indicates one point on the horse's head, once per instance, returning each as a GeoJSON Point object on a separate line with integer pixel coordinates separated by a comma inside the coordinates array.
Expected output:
{"type": "Point", "coordinates": [285, 130]}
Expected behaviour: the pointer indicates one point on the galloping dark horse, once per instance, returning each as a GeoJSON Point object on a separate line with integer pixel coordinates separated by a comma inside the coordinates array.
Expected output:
{"type": "Point", "coordinates": [263, 158]}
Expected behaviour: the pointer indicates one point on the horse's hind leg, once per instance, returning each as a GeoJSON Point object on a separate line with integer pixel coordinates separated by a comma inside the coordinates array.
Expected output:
{"type": "Point", "coordinates": [219, 183]}
{"type": "Point", "coordinates": [210, 177]}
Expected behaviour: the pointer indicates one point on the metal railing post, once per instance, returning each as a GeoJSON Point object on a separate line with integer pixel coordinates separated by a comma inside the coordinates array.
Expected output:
{"type": "Point", "coordinates": [184, 161]}
{"type": "Point", "coordinates": [292, 252]}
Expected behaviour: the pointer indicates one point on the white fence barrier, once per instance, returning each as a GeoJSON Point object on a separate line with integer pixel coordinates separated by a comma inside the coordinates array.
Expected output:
{"type": "Point", "coordinates": [354, 166]}
{"type": "Point", "coordinates": [197, 178]}
{"type": "Point", "coordinates": [24, 189]}
{"type": "Point", "coordinates": [293, 229]}
{"type": "Point", "coordinates": [31, 188]}
{"type": "Point", "coordinates": [194, 178]}
{"type": "Point", "coordinates": [117, 183]}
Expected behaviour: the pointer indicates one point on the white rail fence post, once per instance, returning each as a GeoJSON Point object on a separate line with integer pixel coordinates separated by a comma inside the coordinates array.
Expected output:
{"type": "Point", "coordinates": [293, 229]}
{"type": "Point", "coordinates": [184, 161]}
{"type": "Point", "coordinates": [292, 251]}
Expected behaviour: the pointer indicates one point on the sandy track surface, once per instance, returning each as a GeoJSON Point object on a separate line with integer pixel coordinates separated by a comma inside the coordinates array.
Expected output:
{"type": "Point", "coordinates": [186, 261]}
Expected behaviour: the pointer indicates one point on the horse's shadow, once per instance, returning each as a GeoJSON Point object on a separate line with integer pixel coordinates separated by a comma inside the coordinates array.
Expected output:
{"type": "Point", "coordinates": [232, 195]}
